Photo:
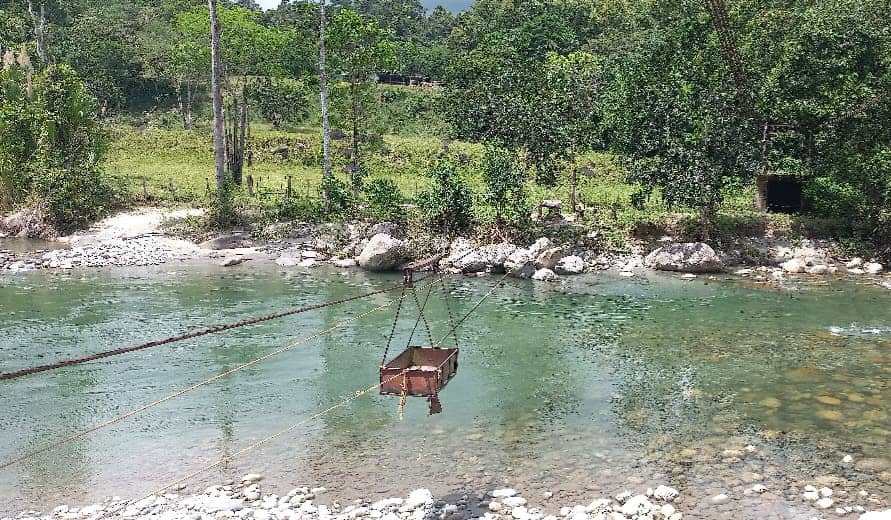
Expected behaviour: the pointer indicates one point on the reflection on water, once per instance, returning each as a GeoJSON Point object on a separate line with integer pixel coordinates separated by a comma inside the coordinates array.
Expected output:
{"type": "Point", "coordinates": [582, 389]}
{"type": "Point", "coordinates": [29, 245]}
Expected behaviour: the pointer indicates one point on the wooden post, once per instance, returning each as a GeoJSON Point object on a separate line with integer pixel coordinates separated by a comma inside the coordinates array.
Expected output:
{"type": "Point", "coordinates": [206, 187]}
{"type": "Point", "coordinates": [250, 185]}
{"type": "Point", "coordinates": [307, 188]}
{"type": "Point", "coordinates": [172, 190]}
{"type": "Point", "coordinates": [144, 188]}
{"type": "Point", "coordinates": [288, 190]}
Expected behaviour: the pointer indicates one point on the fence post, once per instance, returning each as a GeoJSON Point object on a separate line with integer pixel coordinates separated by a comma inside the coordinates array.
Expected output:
{"type": "Point", "coordinates": [206, 187]}
{"type": "Point", "coordinates": [288, 190]}
{"type": "Point", "coordinates": [144, 188]}
{"type": "Point", "coordinates": [172, 190]}
{"type": "Point", "coordinates": [250, 185]}
{"type": "Point", "coordinates": [307, 188]}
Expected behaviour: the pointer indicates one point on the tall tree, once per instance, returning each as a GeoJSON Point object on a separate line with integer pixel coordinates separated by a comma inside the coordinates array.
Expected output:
{"type": "Point", "coordinates": [216, 67]}
{"type": "Point", "coordinates": [360, 48]}
{"type": "Point", "coordinates": [323, 94]}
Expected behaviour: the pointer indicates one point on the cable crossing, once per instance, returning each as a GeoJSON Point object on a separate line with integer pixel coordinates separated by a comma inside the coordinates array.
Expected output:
{"type": "Point", "coordinates": [356, 395]}
{"type": "Point", "coordinates": [188, 335]}
{"type": "Point", "coordinates": [162, 400]}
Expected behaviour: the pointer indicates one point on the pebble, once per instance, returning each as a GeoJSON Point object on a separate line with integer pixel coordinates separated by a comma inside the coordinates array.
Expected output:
{"type": "Point", "coordinates": [824, 503]}
{"type": "Point", "coordinates": [720, 499]}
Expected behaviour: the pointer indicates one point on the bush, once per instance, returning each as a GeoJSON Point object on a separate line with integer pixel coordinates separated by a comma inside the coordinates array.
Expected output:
{"type": "Point", "coordinates": [448, 205]}
{"type": "Point", "coordinates": [51, 147]}
{"type": "Point", "coordinates": [279, 101]}
{"type": "Point", "coordinates": [384, 201]}
{"type": "Point", "coordinates": [505, 187]}
{"type": "Point", "coordinates": [340, 198]}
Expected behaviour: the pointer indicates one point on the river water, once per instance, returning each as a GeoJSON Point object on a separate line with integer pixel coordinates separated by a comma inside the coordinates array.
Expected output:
{"type": "Point", "coordinates": [583, 389]}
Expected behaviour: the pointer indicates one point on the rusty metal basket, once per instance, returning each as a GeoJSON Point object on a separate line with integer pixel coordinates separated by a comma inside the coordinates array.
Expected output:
{"type": "Point", "coordinates": [419, 371]}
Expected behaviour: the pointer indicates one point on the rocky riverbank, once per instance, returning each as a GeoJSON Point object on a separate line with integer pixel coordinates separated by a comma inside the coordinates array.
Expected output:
{"type": "Point", "coordinates": [248, 500]}
{"type": "Point", "coordinates": [138, 239]}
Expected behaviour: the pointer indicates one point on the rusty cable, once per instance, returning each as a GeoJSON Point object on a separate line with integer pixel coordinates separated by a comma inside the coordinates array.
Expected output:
{"type": "Point", "coordinates": [188, 335]}
{"type": "Point", "coordinates": [178, 393]}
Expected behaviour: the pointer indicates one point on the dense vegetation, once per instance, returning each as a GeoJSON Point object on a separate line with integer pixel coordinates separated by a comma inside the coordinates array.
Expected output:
{"type": "Point", "coordinates": [634, 107]}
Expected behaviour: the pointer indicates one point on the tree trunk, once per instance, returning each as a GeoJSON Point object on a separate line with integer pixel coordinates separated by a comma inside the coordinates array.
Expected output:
{"type": "Point", "coordinates": [215, 81]}
{"type": "Point", "coordinates": [178, 86]}
{"type": "Point", "coordinates": [323, 93]}
{"type": "Point", "coordinates": [355, 102]}
{"type": "Point", "coordinates": [188, 115]}
{"type": "Point", "coordinates": [39, 20]}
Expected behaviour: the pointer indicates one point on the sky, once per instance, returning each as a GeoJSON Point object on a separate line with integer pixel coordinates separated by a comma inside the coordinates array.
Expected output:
{"type": "Point", "coordinates": [451, 5]}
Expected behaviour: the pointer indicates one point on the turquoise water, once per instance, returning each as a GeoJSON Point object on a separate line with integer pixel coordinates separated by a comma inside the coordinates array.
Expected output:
{"type": "Point", "coordinates": [584, 389]}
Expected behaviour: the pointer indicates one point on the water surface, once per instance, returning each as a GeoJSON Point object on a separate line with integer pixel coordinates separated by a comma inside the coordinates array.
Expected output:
{"type": "Point", "coordinates": [584, 389]}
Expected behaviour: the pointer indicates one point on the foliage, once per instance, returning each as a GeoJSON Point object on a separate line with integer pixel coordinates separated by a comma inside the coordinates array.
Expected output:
{"type": "Point", "coordinates": [279, 101]}
{"type": "Point", "coordinates": [51, 145]}
{"type": "Point", "coordinates": [340, 198]}
{"type": "Point", "coordinates": [527, 88]}
{"type": "Point", "coordinates": [383, 201]}
{"type": "Point", "coordinates": [358, 48]}
{"type": "Point", "coordinates": [448, 205]}
{"type": "Point", "coordinates": [674, 114]}
{"type": "Point", "coordinates": [505, 187]}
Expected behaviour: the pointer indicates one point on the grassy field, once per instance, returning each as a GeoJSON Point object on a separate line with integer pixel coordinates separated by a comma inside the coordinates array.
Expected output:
{"type": "Point", "coordinates": [185, 160]}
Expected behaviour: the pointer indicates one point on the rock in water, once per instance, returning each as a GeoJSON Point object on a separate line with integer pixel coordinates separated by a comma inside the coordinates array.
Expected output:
{"type": "Point", "coordinates": [877, 515]}
{"type": "Point", "coordinates": [382, 253]}
{"type": "Point", "coordinates": [570, 265]}
{"type": "Point", "coordinates": [665, 493]}
{"type": "Point", "coordinates": [548, 258]}
{"type": "Point", "coordinates": [873, 268]}
{"type": "Point", "coordinates": [344, 263]}
{"type": "Point", "coordinates": [519, 264]}
{"type": "Point", "coordinates": [691, 257]}
{"type": "Point", "coordinates": [794, 266]}
{"type": "Point", "coordinates": [232, 260]}
{"type": "Point", "coordinates": [544, 275]}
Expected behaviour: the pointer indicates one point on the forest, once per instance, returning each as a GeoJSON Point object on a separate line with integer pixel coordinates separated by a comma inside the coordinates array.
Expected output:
{"type": "Point", "coordinates": [634, 113]}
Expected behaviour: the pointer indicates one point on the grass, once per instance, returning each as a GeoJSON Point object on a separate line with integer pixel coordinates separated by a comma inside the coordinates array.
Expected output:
{"type": "Point", "coordinates": [186, 159]}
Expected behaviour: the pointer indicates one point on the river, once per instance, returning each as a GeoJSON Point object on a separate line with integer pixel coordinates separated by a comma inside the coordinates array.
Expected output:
{"type": "Point", "coordinates": [584, 388]}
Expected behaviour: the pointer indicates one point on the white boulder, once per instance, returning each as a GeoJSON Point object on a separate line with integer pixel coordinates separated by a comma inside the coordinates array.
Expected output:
{"type": "Point", "coordinates": [545, 275]}
{"type": "Point", "coordinates": [520, 264]}
{"type": "Point", "coordinates": [692, 257]}
{"type": "Point", "coordinates": [794, 266]}
{"type": "Point", "coordinates": [382, 253]}
{"type": "Point", "coordinates": [873, 268]}
{"type": "Point", "coordinates": [570, 265]}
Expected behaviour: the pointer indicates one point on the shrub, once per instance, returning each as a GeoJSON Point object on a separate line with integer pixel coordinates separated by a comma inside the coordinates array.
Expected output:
{"type": "Point", "coordinates": [279, 101]}
{"type": "Point", "coordinates": [51, 147]}
{"type": "Point", "coordinates": [340, 198]}
{"type": "Point", "coordinates": [505, 187]}
{"type": "Point", "coordinates": [384, 200]}
{"type": "Point", "coordinates": [448, 205]}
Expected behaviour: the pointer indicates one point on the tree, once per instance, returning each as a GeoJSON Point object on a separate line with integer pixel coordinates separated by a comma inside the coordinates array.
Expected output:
{"type": "Point", "coordinates": [323, 95]}
{"type": "Point", "coordinates": [171, 54]}
{"type": "Point", "coordinates": [510, 90]}
{"type": "Point", "coordinates": [216, 71]}
{"type": "Point", "coordinates": [673, 113]}
{"type": "Point", "coordinates": [51, 146]}
{"type": "Point", "coordinates": [359, 48]}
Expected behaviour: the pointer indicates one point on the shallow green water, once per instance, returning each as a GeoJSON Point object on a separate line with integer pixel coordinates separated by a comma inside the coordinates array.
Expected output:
{"type": "Point", "coordinates": [585, 388]}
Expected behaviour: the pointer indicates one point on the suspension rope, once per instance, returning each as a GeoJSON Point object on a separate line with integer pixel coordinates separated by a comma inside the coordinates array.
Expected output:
{"type": "Point", "coordinates": [473, 309]}
{"type": "Point", "coordinates": [448, 306]}
{"type": "Point", "coordinates": [188, 335]}
{"type": "Point", "coordinates": [178, 393]}
{"type": "Point", "coordinates": [421, 316]}
{"type": "Point", "coordinates": [393, 329]}
{"type": "Point", "coordinates": [356, 395]}
{"type": "Point", "coordinates": [228, 458]}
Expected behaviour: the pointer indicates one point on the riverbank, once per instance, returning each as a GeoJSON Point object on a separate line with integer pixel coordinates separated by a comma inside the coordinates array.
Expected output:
{"type": "Point", "coordinates": [155, 236]}
{"type": "Point", "coordinates": [247, 499]}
